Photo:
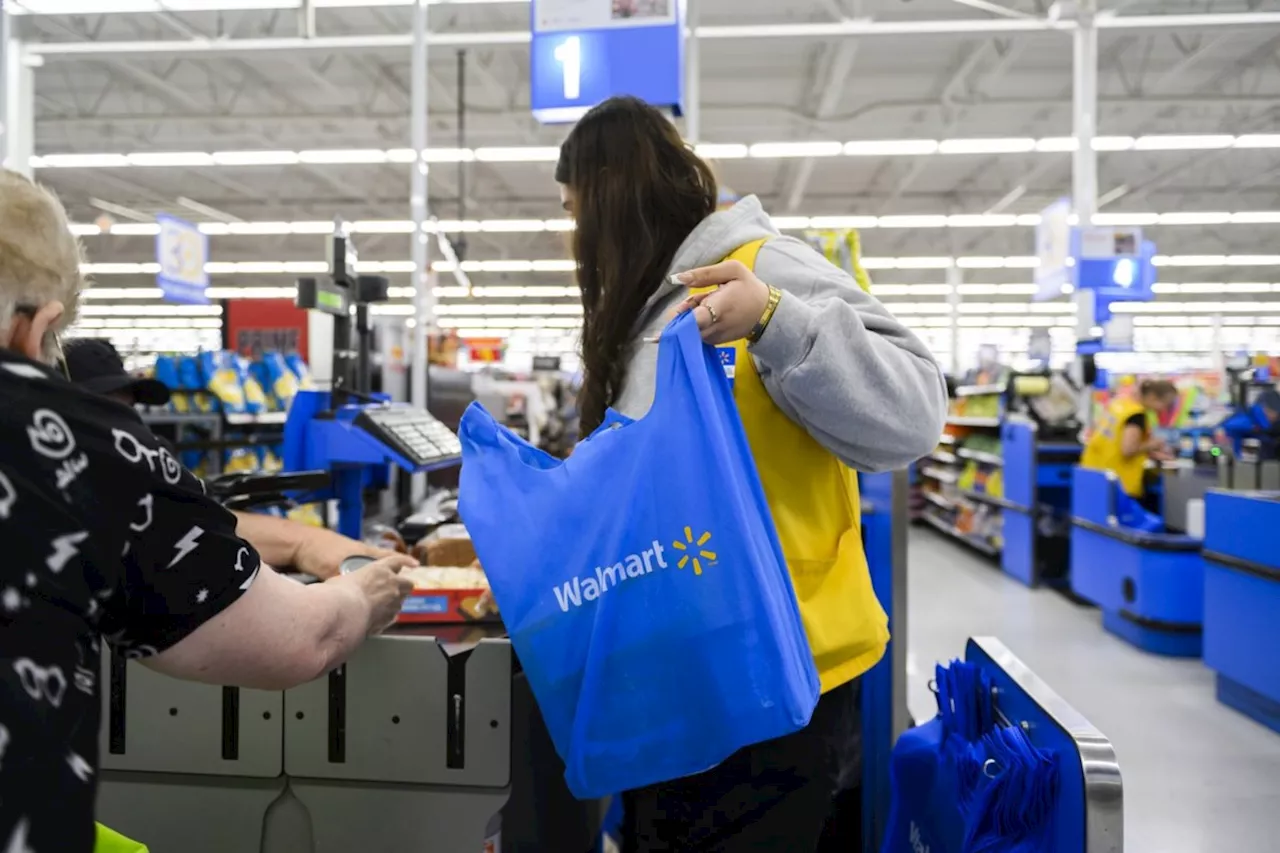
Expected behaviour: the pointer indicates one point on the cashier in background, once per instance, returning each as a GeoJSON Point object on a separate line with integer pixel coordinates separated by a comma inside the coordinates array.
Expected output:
{"type": "Point", "coordinates": [827, 380]}
{"type": "Point", "coordinates": [96, 366]}
{"type": "Point", "coordinates": [1122, 440]}
{"type": "Point", "coordinates": [106, 537]}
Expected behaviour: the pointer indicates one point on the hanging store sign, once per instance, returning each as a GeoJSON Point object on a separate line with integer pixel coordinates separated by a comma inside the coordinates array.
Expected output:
{"type": "Point", "coordinates": [1053, 249]}
{"type": "Point", "coordinates": [486, 350]}
{"type": "Point", "coordinates": [586, 51]}
{"type": "Point", "coordinates": [182, 252]}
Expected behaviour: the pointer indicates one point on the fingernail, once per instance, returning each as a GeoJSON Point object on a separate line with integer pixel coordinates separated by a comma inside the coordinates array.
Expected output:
{"type": "Point", "coordinates": [681, 278]}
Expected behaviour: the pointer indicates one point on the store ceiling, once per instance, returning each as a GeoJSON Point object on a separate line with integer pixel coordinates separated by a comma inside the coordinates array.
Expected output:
{"type": "Point", "coordinates": [946, 86]}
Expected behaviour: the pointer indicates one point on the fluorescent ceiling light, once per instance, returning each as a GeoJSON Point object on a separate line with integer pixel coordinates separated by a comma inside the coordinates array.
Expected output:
{"type": "Point", "coordinates": [1183, 143]}
{"type": "Point", "coordinates": [122, 293]}
{"type": "Point", "coordinates": [765, 150]}
{"type": "Point", "coordinates": [119, 269]}
{"type": "Point", "coordinates": [151, 310]}
{"type": "Point", "coordinates": [135, 229]}
{"type": "Point", "coordinates": [1256, 217]}
{"type": "Point", "coordinates": [921, 221]}
{"type": "Point", "coordinates": [982, 220]}
{"type": "Point", "coordinates": [1258, 140]}
{"type": "Point", "coordinates": [711, 151]}
{"type": "Point", "coordinates": [790, 223]}
{"type": "Point", "coordinates": [1057, 144]}
{"type": "Point", "coordinates": [1113, 143]}
{"type": "Point", "coordinates": [342, 157]}
{"type": "Point", "coordinates": [891, 148]}
{"type": "Point", "coordinates": [170, 158]}
{"type": "Point", "coordinates": [83, 161]}
{"type": "Point", "coordinates": [823, 222]}
{"type": "Point", "coordinates": [381, 226]}
{"type": "Point", "coordinates": [1134, 219]}
{"type": "Point", "coordinates": [514, 226]}
{"type": "Point", "coordinates": [986, 146]}
{"type": "Point", "coordinates": [255, 158]}
{"type": "Point", "coordinates": [1192, 218]}
{"type": "Point", "coordinates": [559, 225]}
{"type": "Point", "coordinates": [526, 154]}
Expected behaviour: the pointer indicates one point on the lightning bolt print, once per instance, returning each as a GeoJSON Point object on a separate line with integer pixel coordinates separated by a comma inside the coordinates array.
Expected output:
{"type": "Point", "coordinates": [64, 548]}
{"type": "Point", "coordinates": [186, 545]}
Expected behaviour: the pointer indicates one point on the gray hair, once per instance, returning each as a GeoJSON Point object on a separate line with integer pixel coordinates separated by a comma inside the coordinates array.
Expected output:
{"type": "Point", "coordinates": [39, 257]}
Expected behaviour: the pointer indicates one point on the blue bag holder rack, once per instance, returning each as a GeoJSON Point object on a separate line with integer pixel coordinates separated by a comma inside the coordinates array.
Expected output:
{"type": "Point", "coordinates": [1242, 601]}
{"type": "Point", "coordinates": [1089, 816]}
{"type": "Point", "coordinates": [1149, 586]}
{"type": "Point", "coordinates": [1037, 497]}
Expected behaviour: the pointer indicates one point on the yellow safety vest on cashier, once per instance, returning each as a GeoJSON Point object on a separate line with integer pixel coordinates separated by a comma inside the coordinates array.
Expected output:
{"type": "Point", "coordinates": [1104, 451]}
{"type": "Point", "coordinates": [813, 497]}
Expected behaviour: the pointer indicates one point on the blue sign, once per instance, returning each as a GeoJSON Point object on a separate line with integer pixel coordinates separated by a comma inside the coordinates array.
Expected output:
{"type": "Point", "coordinates": [182, 252]}
{"type": "Point", "coordinates": [586, 51]}
{"type": "Point", "coordinates": [1128, 274]}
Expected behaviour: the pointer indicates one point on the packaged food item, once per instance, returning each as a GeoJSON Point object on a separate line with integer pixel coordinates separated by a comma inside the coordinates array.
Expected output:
{"type": "Point", "coordinates": [449, 594]}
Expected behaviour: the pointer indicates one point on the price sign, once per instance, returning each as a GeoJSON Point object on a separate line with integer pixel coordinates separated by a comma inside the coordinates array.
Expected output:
{"type": "Point", "coordinates": [486, 350]}
{"type": "Point", "coordinates": [586, 51]}
{"type": "Point", "coordinates": [182, 252]}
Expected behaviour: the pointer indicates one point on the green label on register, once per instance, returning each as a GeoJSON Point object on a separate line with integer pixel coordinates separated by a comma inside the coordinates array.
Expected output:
{"type": "Point", "coordinates": [324, 299]}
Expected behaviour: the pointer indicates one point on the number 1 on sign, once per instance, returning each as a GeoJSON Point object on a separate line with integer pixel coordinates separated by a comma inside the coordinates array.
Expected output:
{"type": "Point", "coordinates": [569, 55]}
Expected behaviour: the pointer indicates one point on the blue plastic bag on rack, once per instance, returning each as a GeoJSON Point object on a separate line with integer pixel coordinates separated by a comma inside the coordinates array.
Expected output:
{"type": "Point", "coordinates": [642, 582]}
{"type": "Point", "coordinates": [962, 784]}
{"type": "Point", "coordinates": [1130, 513]}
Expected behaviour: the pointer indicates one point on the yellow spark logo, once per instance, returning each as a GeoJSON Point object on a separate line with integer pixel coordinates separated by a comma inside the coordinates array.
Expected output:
{"type": "Point", "coordinates": [688, 545]}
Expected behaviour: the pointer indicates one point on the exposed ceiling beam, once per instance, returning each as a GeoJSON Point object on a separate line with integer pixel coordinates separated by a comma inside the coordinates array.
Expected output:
{"type": "Point", "coordinates": [831, 87]}
{"type": "Point", "coordinates": [848, 28]}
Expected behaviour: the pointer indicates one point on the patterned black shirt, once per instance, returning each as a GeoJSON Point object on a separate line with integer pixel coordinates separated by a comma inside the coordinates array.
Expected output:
{"type": "Point", "coordinates": [103, 535]}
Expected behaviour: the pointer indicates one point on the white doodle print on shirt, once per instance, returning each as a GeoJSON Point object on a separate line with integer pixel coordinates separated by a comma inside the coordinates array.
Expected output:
{"type": "Point", "coordinates": [39, 682]}
{"type": "Point", "coordinates": [186, 545]}
{"type": "Point", "coordinates": [147, 502]}
{"type": "Point", "coordinates": [18, 841]}
{"type": "Point", "coordinates": [139, 652]}
{"type": "Point", "coordinates": [85, 679]}
{"type": "Point", "coordinates": [11, 599]}
{"type": "Point", "coordinates": [202, 596]}
{"type": "Point", "coordinates": [50, 436]}
{"type": "Point", "coordinates": [70, 469]}
{"type": "Point", "coordinates": [8, 497]}
{"type": "Point", "coordinates": [4, 741]}
{"type": "Point", "coordinates": [240, 555]}
{"type": "Point", "coordinates": [64, 548]}
{"type": "Point", "coordinates": [128, 446]}
{"type": "Point", "coordinates": [80, 767]}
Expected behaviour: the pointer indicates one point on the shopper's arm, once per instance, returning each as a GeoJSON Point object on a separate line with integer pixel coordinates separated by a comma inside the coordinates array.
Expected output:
{"type": "Point", "coordinates": [314, 551]}
{"type": "Point", "coordinates": [280, 633]}
{"type": "Point", "coordinates": [841, 365]}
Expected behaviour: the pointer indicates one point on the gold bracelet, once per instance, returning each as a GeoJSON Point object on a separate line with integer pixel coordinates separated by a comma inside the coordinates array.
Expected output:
{"type": "Point", "coordinates": [775, 296]}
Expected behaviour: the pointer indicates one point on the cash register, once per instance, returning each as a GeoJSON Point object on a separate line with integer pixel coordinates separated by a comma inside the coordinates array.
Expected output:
{"type": "Point", "coordinates": [406, 747]}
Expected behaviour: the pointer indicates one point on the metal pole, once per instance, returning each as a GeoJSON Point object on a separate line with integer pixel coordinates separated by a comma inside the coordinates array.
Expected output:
{"type": "Point", "coordinates": [1084, 165]}
{"type": "Point", "coordinates": [955, 278]}
{"type": "Point", "coordinates": [423, 299]}
{"type": "Point", "coordinates": [693, 73]}
{"type": "Point", "coordinates": [5, 95]}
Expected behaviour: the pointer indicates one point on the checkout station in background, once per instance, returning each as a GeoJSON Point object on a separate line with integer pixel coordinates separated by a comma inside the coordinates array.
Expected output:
{"type": "Point", "coordinates": [1186, 571]}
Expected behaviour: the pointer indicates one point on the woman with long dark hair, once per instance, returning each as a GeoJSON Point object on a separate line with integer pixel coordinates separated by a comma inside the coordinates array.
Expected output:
{"type": "Point", "coordinates": [826, 381]}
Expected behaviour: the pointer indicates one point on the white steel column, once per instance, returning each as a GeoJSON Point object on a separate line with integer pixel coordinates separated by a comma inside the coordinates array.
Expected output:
{"type": "Point", "coordinates": [17, 100]}
{"type": "Point", "coordinates": [955, 278]}
{"type": "Point", "coordinates": [1084, 165]}
{"type": "Point", "coordinates": [424, 299]}
{"type": "Point", "coordinates": [693, 75]}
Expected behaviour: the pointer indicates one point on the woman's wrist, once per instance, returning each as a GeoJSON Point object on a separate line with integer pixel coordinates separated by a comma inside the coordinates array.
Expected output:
{"type": "Point", "coordinates": [770, 308]}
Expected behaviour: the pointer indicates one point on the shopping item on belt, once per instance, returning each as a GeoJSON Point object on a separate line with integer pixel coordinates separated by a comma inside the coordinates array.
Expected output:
{"type": "Point", "coordinates": [961, 783]}
{"type": "Point", "coordinates": [642, 582]}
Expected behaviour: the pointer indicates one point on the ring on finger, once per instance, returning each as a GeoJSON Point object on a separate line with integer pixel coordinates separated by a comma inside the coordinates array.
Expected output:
{"type": "Point", "coordinates": [715, 318]}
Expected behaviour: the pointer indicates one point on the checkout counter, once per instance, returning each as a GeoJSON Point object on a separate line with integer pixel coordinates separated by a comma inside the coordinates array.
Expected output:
{"type": "Point", "coordinates": [419, 741]}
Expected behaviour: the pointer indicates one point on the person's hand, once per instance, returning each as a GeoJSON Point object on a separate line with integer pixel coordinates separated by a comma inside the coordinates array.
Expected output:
{"type": "Point", "coordinates": [731, 310]}
{"type": "Point", "coordinates": [321, 552]}
{"type": "Point", "coordinates": [381, 586]}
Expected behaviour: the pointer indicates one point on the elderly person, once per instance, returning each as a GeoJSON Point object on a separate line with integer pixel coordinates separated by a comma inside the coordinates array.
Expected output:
{"type": "Point", "coordinates": [105, 536]}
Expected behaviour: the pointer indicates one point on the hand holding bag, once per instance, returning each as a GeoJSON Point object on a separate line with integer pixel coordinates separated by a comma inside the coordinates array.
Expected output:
{"type": "Point", "coordinates": [642, 582]}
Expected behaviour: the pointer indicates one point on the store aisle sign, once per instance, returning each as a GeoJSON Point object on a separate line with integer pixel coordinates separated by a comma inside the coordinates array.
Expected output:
{"type": "Point", "coordinates": [182, 252]}
{"type": "Point", "coordinates": [586, 51]}
{"type": "Point", "coordinates": [486, 350]}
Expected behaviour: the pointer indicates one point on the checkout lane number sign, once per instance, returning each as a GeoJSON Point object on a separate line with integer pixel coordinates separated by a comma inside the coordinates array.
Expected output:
{"type": "Point", "coordinates": [182, 252]}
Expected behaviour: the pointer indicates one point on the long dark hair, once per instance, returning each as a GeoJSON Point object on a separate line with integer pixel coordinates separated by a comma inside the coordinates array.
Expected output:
{"type": "Point", "coordinates": [639, 191]}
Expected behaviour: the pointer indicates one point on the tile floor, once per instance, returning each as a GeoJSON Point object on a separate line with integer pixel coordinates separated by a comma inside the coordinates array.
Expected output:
{"type": "Point", "coordinates": [1198, 777]}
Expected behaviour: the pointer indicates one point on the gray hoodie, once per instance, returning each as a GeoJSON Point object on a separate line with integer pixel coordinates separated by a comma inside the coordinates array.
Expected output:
{"type": "Point", "coordinates": [833, 358]}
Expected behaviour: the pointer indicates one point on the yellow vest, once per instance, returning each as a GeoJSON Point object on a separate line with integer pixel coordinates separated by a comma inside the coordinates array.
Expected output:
{"type": "Point", "coordinates": [814, 500]}
{"type": "Point", "coordinates": [1103, 452]}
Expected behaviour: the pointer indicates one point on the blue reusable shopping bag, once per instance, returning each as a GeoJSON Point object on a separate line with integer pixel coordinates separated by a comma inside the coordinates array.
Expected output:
{"type": "Point", "coordinates": [960, 783]}
{"type": "Point", "coordinates": [642, 582]}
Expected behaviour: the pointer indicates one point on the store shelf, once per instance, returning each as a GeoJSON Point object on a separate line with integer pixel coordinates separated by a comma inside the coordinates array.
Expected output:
{"type": "Point", "coordinates": [980, 456]}
{"type": "Point", "coordinates": [979, 390]}
{"type": "Point", "coordinates": [946, 438]}
{"type": "Point", "coordinates": [990, 500]}
{"type": "Point", "coordinates": [938, 500]}
{"type": "Point", "coordinates": [161, 418]}
{"type": "Point", "coordinates": [972, 541]}
{"type": "Point", "coordinates": [264, 419]}
{"type": "Point", "coordinates": [942, 475]}
{"type": "Point", "coordinates": [943, 456]}
{"type": "Point", "coordinates": [962, 420]}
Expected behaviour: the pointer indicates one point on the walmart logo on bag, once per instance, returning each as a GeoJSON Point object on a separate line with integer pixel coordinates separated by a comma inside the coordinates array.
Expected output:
{"type": "Point", "coordinates": [574, 592]}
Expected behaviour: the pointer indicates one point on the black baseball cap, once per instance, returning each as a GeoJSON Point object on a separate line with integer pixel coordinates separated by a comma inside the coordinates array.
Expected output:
{"type": "Point", "coordinates": [95, 364]}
